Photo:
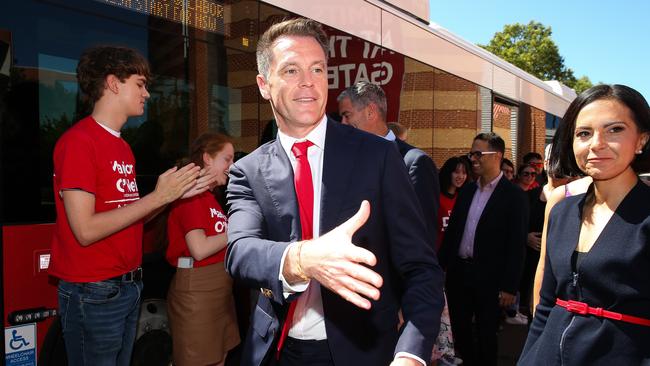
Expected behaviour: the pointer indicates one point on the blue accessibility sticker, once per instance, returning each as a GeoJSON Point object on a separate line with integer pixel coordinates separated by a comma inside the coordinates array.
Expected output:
{"type": "Point", "coordinates": [20, 345]}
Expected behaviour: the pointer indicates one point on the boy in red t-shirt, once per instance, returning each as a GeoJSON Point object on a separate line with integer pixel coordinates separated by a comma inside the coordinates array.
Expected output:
{"type": "Point", "coordinates": [97, 245]}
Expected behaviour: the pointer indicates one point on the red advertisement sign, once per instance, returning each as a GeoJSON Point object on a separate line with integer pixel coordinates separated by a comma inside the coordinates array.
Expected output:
{"type": "Point", "coordinates": [352, 59]}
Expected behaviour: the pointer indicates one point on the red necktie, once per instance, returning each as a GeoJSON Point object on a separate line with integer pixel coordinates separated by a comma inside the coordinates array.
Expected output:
{"type": "Point", "coordinates": [305, 194]}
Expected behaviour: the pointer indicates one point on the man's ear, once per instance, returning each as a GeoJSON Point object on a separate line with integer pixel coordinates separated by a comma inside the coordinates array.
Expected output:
{"type": "Point", "coordinates": [111, 83]}
{"type": "Point", "coordinates": [263, 85]}
{"type": "Point", "coordinates": [371, 111]}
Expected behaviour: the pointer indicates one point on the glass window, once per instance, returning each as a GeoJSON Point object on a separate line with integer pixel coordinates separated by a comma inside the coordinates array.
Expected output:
{"type": "Point", "coordinates": [204, 79]}
{"type": "Point", "coordinates": [504, 125]}
{"type": "Point", "coordinates": [551, 122]}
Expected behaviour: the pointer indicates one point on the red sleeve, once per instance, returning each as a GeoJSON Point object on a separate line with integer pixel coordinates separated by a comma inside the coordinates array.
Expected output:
{"type": "Point", "coordinates": [75, 163]}
{"type": "Point", "coordinates": [190, 215]}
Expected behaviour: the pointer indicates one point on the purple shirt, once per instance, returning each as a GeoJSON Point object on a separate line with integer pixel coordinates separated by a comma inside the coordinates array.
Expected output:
{"type": "Point", "coordinates": [481, 197]}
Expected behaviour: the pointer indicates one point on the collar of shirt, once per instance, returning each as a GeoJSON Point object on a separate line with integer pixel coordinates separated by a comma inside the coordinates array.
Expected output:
{"type": "Point", "coordinates": [390, 136]}
{"type": "Point", "coordinates": [490, 186]}
{"type": "Point", "coordinates": [110, 130]}
{"type": "Point", "coordinates": [316, 136]}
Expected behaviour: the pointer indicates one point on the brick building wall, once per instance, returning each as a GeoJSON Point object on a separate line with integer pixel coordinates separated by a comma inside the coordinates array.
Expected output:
{"type": "Point", "coordinates": [532, 126]}
{"type": "Point", "coordinates": [456, 116]}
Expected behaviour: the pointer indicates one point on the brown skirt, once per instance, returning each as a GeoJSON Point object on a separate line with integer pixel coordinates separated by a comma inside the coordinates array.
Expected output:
{"type": "Point", "coordinates": [202, 315]}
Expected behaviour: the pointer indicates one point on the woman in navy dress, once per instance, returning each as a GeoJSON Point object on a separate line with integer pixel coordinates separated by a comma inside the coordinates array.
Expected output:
{"type": "Point", "coordinates": [595, 298]}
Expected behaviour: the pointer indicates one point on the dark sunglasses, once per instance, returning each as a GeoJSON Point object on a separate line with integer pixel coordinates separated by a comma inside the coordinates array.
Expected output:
{"type": "Point", "coordinates": [478, 154]}
{"type": "Point", "coordinates": [528, 174]}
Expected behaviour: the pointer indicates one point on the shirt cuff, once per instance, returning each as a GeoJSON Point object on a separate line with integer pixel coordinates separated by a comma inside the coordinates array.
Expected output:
{"type": "Point", "coordinates": [287, 289]}
{"type": "Point", "coordinates": [408, 355]}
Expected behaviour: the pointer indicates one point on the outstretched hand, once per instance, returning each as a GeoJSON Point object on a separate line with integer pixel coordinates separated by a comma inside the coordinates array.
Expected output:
{"type": "Point", "coordinates": [207, 180]}
{"type": "Point", "coordinates": [336, 263]}
{"type": "Point", "coordinates": [173, 183]}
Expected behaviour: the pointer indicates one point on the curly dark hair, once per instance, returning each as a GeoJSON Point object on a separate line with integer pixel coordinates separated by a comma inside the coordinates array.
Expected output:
{"type": "Point", "coordinates": [96, 63]}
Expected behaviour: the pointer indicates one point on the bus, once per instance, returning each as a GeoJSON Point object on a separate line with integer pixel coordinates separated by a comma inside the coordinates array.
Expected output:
{"type": "Point", "coordinates": [202, 54]}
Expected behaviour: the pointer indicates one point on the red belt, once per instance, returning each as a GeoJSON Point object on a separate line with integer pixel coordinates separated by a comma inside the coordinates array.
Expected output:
{"type": "Point", "coordinates": [584, 309]}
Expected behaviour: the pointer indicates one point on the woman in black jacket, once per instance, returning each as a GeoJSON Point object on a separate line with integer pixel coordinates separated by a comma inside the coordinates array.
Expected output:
{"type": "Point", "coordinates": [595, 298]}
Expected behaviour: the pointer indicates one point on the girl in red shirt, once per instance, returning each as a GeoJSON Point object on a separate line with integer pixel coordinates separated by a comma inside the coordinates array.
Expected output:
{"type": "Point", "coordinates": [200, 302]}
{"type": "Point", "coordinates": [453, 176]}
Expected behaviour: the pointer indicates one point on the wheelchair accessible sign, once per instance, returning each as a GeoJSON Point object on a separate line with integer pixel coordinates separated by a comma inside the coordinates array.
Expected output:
{"type": "Point", "coordinates": [20, 345]}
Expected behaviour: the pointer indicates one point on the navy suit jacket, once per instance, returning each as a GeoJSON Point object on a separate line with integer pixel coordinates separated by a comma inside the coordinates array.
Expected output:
{"type": "Point", "coordinates": [613, 276]}
{"type": "Point", "coordinates": [424, 177]}
{"type": "Point", "coordinates": [500, 238]}
{"type": "Point", "coordinates": [264, 220]}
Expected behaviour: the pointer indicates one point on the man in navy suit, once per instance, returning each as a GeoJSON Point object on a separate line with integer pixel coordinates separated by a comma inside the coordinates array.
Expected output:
{"type": "Point", "coordinates": [363, 105]}
{"type": "Point", "coordinates": [483, 251]}
{"type": "Point", "coordinates": [346, 295]}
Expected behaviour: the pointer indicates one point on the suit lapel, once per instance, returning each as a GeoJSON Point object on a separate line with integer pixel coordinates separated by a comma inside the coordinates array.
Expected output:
{"type": "Point", "coordinates": [278, 178]}
{"type": "Point", "coordinates": [338, 161]}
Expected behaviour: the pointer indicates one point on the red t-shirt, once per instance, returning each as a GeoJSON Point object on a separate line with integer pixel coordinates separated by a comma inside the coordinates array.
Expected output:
{"type": "Point", "coordinates": [199, 212]}
{"type": "Point", "coordinates": [89, 158]}
{"type": "Point", "coordinates": [444, 212]}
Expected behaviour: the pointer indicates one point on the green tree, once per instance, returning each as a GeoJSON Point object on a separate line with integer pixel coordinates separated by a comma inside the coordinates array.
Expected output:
{"type": "Point", "coordinates": [531, 48]}
{"type": "Point", "coordinates": [582, 84]}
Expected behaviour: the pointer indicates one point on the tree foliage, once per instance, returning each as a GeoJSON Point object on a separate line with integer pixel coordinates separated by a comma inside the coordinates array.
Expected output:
{"type": "Point", "coordinates": [531, 48]}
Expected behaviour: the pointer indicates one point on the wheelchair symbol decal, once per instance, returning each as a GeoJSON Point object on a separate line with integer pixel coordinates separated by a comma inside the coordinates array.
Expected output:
{"type": "Point", "coordinates": [17, 341]}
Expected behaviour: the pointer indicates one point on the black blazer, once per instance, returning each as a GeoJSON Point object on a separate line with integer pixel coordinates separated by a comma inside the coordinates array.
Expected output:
{"type": "Point", "coordinates": [424, 177]}
{"type": "Point", "coordinates": [500, 236]}
{"type": "Point", "coordinates": [264, 219]}
{"type": "Point", "coordinates": [614, 275]}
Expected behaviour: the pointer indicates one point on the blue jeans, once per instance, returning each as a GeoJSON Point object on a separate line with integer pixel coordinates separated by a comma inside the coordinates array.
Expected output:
{"type": "Point", "coordinates": [99, 321]}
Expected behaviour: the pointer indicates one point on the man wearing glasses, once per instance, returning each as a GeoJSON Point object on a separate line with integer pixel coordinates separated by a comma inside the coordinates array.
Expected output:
{"type": "Point", "coordinates": [483, 251]}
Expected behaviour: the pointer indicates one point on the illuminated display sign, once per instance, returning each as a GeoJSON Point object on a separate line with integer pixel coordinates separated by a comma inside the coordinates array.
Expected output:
{"type": "Point", "coordinates": [207, 15]}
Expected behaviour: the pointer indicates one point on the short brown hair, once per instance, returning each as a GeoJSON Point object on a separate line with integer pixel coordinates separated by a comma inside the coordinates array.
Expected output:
{"type": "Point", "coordinates": [209, 142]}
{"type": "Point", "coordinates": [96, 63]}
{"type": "Point", "coordinates": [301, 27]}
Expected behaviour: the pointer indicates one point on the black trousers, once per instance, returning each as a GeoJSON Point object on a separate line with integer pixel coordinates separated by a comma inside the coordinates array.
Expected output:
{"type": "Point", "coordinates": [296, 352]}
{"type": "Point", "coordinates": [468, 298]}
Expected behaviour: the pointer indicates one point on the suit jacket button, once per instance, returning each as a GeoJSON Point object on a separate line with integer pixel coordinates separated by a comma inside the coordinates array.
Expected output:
{"type": "Point", "coordinates": [267, 293]}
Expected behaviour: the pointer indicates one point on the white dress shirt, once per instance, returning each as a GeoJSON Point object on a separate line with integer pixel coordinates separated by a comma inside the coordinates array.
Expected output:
{"type": "Point", "coordinates": [308, 320]}
{"type": "Point", "coordinates": [480, 199]}
{"type": "Point", "coordinates": [390, 136]}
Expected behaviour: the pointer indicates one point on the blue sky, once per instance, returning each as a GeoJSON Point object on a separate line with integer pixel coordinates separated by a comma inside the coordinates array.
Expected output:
{"type": "Point", "coordinates": [608, 41]}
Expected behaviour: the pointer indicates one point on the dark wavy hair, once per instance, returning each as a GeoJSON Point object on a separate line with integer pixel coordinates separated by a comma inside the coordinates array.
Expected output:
{"type": "Point", "coordinates": [449, 167]}
{"type": "Point", "coordinates": [96, 63]}
{"type": "Point", "coordinates": [562, 162]}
